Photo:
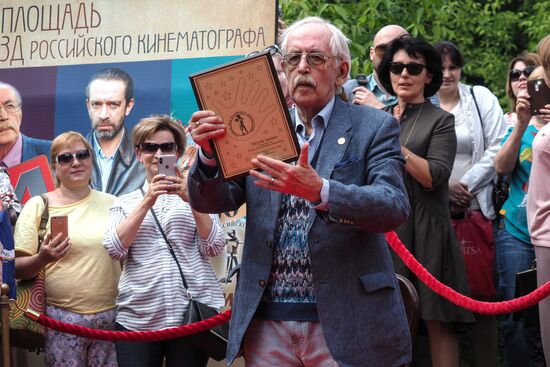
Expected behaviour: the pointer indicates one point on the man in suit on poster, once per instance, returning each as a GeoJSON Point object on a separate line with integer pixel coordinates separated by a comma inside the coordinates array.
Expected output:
{"type": "Point", "coordinates": [317, 286]}
{"type": "Point", "coordinates": [16, 147]}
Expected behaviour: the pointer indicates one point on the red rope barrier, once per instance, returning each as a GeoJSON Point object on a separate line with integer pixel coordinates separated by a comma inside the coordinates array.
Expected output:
{"type": "Point", "coordinates": [488, 308]}
{"type": "Point", "coordinates": [139, 336]}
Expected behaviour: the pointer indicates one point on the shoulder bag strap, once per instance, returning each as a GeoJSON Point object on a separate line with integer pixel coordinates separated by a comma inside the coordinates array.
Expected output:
{"type": "Point", "coordinates": [480, 118]}
{"type": "Point", "coordinates": [43, 221]}
{"type": "Point", "coordinates": [170, 248]}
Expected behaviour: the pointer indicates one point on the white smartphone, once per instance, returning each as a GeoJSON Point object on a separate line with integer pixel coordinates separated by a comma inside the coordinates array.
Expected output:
{"type": "Point", "coordinates": [167, 165]}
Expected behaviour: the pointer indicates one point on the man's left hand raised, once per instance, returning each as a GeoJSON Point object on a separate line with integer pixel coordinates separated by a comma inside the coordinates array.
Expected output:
{"type": "Point", "coordinates": [298, 180]}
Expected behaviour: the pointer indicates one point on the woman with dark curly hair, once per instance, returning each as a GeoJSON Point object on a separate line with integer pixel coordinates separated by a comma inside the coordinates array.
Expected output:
{"type": "Point", "coordinates": [519, 70]}
{"type": "Point", "coordinates": [411, 69]}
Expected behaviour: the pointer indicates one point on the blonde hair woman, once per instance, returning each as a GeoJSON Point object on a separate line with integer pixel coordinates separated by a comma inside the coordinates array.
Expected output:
{"type": "Point", "coordinates": [80, 277]}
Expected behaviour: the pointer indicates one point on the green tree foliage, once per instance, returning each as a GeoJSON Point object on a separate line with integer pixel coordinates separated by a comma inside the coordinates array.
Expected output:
{"type": "Point", "coordinates": [489, 33]}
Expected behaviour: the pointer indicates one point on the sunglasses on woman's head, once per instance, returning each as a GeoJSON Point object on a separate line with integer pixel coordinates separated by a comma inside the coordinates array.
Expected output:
{"type": "Point", "coordinates": [273, 50]}
{"type": "Point", "coordinates": [154, 147]}
{"type": "Point", "coordinates": [515, 74]}
{"type": "Point", "coordinates": [66, 158]}
{"type": "Point", "coordinates": [413, 68]}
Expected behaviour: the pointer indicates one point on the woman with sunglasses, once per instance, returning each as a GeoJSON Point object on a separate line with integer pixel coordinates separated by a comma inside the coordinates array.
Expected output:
{"type": "Point", "coordinates": [411, 69]}
{"type": "Point", "coordinates": [151, 291]}
{"type": "Point", "coordinates": [80, 277]}
{"type": "Point", "coordinates": [518, 72]}
{"type": "Point", "coordinates": [514, 250]}
{"type": "Point", "coordinates": [479, 127]}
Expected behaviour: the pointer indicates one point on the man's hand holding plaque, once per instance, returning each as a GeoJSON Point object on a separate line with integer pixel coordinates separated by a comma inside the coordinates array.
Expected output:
{"type": "Point", "coordinates": [203, 126]}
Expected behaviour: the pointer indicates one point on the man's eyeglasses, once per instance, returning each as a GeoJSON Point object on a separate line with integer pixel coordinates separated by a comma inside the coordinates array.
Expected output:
{"type": "Point", "coordinates": [154, 147]}
{"type": "Point", "coordinates": [10, 107]}
{"type": "Point", "coordinates": [515, 74]}
{"type": "Point", "coordinates": [67, 158]}
{"type": "Point", "coordinates": [413, 68]}
{"type": "Point", "coordinates": [380, 50]}
{"type": "Point", "coordinates": [273, 50]}
{"type": "Point", "coordinates": [314, 59]}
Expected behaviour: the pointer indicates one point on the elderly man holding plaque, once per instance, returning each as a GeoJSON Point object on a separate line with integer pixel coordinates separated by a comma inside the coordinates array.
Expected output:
{"type": "Point", "coordinates": [317, 286]}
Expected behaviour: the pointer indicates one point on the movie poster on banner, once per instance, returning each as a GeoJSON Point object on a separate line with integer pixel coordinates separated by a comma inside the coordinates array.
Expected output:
{"type": "Point", "coordinates": [49, 49]}
{"type": "Point", "coordinates": [233, 224]}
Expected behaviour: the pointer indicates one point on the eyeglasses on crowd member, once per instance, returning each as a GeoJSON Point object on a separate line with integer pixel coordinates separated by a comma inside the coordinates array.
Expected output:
{"type": "Point", "coordinates": [366, 89]}
{"type": "Point", "coordinates": [151, 294]}
{"type": "Point", "coordinates": [314, 247]}
{"type": "Point", "coordinates": [514, 249]}
{"type": "Point", "coordinates": [411, 69]}
{"type": "Point", "coordinates": [80, 277]}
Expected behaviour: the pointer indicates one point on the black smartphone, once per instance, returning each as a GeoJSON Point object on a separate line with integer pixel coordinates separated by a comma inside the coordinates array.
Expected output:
{"type": "Point", "coordinates": [539, 94]}
{"type": "Point", "coordinates": [362, 80]}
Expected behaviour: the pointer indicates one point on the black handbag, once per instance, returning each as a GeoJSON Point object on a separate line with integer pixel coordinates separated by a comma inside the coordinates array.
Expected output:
{"type": "Point", "coordinates": [212, 342]}
{"type": "Point", "coordinates": [526, 282]}
{"type": "Point", "coordinates": [500, 193]}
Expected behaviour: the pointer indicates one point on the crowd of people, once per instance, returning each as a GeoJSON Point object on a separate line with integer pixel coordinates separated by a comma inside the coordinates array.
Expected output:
{"type": "Point", "coordinates": [408, 148]}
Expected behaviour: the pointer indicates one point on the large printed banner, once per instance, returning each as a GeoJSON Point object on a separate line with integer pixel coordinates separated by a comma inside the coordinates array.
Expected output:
{"type": "Point", "coordinates": [49, 49]}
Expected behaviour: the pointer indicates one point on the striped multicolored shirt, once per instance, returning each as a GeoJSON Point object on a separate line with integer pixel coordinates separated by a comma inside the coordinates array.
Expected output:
{"type": "Point", "coordinates": [151, 293]}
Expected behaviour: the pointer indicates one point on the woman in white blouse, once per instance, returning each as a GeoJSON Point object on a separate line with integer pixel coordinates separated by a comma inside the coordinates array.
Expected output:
{"type": "Point", "coordinates": [479, 127]}
{"type": "Point", "coordinates": [151, 292]}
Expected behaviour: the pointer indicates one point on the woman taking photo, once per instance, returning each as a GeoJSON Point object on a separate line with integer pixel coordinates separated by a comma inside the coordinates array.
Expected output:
{"type": "Point", "coordinates": [411, 69]}
{"type": "Point", "coordinates": [514, 250]}
{"type": "Point", "coordinates": [518, 72]}
{"type": "Point", "coordinates": [80, 277]}
{"type": "Point", "coordinates": [151, 292]}
{"type": "Point", "coordinates": [479, 128]}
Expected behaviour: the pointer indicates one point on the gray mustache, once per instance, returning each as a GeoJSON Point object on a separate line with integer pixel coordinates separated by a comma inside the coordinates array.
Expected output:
{"type": "Point", "coordinates": [304, 80]}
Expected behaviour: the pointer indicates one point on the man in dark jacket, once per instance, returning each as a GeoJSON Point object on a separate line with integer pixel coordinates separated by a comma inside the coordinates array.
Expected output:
{"type": "Point", "coordinates": [109, 99]}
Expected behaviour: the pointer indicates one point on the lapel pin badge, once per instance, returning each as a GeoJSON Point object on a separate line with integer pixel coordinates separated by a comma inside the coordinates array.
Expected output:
{"type": "Point", "coordinates": [341, 141]}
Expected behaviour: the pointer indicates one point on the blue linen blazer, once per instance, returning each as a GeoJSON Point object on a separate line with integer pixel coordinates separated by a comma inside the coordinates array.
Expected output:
{"type": "Point", "coordinates": [358, 300]}
{"type": "Point", "coordinates": [33, 147]}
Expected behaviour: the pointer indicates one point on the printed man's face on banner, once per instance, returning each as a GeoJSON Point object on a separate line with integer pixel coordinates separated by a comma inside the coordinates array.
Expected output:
{"type": "Point", "coordinates": [107, 107]}
{"type": "Point", "coordinates": [10, 121]}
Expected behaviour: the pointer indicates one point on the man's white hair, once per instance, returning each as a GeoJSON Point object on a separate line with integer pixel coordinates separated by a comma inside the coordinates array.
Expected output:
{"type": "Point", "coordinates": [339, 43]}
{"type": "Point", "coordinates": [13, 89]}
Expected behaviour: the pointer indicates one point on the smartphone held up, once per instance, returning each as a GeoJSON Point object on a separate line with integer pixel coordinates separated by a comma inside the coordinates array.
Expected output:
{"type": "Point", "coordinates": [59, 224]}
{"type": "Point", "coordinates": [539, 94]}
{"type": "Point", "coordinates": [167, 165]}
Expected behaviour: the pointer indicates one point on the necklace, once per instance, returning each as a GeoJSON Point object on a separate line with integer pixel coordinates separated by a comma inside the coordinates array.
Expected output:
{"type": "Point", "coordinates": [413, 125]}
{"type": "Point", "coordinates": [448, 104]}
